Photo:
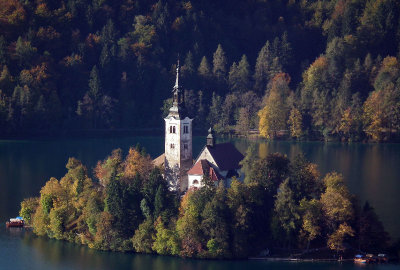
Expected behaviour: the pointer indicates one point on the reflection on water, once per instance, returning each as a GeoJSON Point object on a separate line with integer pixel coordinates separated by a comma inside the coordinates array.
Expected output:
{"type": "Point", "coordinates": [20, 250]}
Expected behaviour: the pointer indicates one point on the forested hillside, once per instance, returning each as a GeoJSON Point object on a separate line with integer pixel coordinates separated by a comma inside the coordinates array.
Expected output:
{"type": "Point", "coordinates": [320, 69]}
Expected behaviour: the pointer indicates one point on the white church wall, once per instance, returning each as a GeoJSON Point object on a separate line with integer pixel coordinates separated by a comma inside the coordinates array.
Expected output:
{"type": "Point", "coordinates": [192, 178]}
{"type": "Point", "coordinates": [206, 155]}
{"type": "Point", "coordinates": [178, 150]}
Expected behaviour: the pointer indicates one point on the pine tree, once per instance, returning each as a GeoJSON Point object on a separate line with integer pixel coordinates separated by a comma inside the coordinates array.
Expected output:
{"type": "Point", "coordinates": [108, 33]}
{"type": "Point", "coordinates": [276, 48]}
{"type": "Point", "coordinates": [105, 56]}
{"type": "Point", "coordinates": [215, 110]}
{"type": "Point", "coordinates": [276, 67]}
{"type": "Point", "coordinates": [89, 107]}
{"type": "Point", "coordinates": [24, 51]}
{"type": "Point", "coordinates": [248, 162]}
{"type": "Point", "coordinates": [6, 80]}
{"type": "Point", "coordinates": [188, 67]}
{"type": "Point", "coordinates": [159, 201]}
{"type": "Point", "coordinates": [285, 54]}
{"type": "Point", "coordinates": [40, 110]}
{"type": "Point", "coordinates": [287, 212]}
{"type": "Point", "coordinates": [263, 64]}
{"type": "Point", "coordinates": [95, 87]}
{"type": "Point", "coordinates": [204, 68]}
{"type": "Point", "coordinates": [219, 64]}
{"type": "Point", "coordinates": [243, 74]}
{"type": "Point", "coordinates": [233, 78]}
{"type": "Point", "coordinates": [372, 233]}
{"type": "Point", "coordinates": [243, 123]}
{"type": "Point", "coordinates": [368, 63]}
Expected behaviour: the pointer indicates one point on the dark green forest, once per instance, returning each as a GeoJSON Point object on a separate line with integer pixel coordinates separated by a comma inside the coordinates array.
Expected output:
{"type": "Point", "coordinates": [308, 69]}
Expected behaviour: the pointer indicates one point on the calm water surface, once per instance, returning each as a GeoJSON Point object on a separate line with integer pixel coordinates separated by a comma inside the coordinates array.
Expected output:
{"type": "Point", "coordinates": [371, 171]}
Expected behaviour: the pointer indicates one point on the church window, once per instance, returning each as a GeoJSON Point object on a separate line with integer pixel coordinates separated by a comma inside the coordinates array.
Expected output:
{"type": "Point", "coordinates": [195, 182]}
{"type": "Point", "coordinates": [173, 129]}
{"type": "Point", "coordinates": [185, 129]}
{"type": "Point", "coordinates": [172, 146]}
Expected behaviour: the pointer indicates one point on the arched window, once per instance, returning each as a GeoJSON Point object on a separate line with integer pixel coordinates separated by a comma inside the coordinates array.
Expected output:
{"type": "Point", "coordinates": [170, 129]}
{"type": "Point", "coordinates": [195, 182]}
{"type": "Point", "coordinates": [173, 129]}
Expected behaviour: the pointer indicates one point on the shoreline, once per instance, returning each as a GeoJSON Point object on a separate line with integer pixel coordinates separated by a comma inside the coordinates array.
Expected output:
{"type": "Point", "coordinates": [93, 134]}
{"type": "Point", "coordinates": [151, 131]}
{"type": "Point", "coordinates": [286, 259]}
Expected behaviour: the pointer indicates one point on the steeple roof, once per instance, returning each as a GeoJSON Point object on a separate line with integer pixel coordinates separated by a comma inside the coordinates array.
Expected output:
{"type": "Point", "coordinates": [178, 105]}
{"type": "Point", "coordinates": [178, 69]}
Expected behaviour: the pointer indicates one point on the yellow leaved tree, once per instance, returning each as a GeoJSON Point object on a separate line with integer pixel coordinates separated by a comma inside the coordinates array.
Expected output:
{"type": "Point", "coordinates": [273, 116]}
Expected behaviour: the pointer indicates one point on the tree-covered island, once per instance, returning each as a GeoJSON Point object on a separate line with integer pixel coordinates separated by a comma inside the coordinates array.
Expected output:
{"type": "Point", "coordinates": [283, 206]}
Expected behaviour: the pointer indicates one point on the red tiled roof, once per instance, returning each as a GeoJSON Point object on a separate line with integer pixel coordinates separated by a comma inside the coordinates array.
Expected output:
{"type": "Point", "coordinates": [203, 167]}
{"type": "Point", "coordinates": [214, 175]}
{"type": "Point", "coordinates": [198, 168]}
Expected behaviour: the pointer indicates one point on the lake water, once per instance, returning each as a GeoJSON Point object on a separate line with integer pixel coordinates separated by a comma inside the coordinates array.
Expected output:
{"type": "Point", "coordinates": [371, 171]}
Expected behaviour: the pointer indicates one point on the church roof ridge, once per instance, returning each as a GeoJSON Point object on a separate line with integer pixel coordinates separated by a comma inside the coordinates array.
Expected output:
{"type": "Point", "coordinates": [225, 155]}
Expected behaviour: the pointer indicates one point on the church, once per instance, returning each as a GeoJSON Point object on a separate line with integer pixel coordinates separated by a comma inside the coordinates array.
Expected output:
{"type": "Point", "coordinates": [219, 162]}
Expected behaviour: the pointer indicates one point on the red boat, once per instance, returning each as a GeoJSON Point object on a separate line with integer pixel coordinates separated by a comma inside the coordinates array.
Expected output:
{"type": "Point", "coordinates": [15, 222]}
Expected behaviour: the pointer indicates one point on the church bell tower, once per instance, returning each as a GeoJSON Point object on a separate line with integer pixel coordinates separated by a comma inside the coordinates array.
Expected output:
{"type": "Point", "coordinates": [178, 140]}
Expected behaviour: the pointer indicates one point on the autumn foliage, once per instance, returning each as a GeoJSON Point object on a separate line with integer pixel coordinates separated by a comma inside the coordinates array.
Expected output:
{"type": "Point", "coordinates": [283, 203]}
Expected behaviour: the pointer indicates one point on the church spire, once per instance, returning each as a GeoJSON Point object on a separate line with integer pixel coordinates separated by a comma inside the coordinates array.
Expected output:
{"type": "Point", "coordinates": [178, 69]}
{"type": "Point", "coordinates": [178, 100]}
{"type": "Point", "coordinates": [177, 90]}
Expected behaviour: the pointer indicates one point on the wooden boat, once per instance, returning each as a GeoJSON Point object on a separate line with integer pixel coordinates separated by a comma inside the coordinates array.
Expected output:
{"type": "Point", "coordinates": [383, 258]}
{"type": "Point", "coordinates": [370, 258]}
{"type": "Point", "coordinates": [15, 222]}
{"type": "Point", "coordinates": [360, 259]}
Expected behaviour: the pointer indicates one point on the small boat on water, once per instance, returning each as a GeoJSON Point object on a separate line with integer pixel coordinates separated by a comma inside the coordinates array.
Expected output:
{"type": "Point", "coordinates": [15, 222]}
{"type": "Point", "coordinates": [360, 259]}
{"type": "Point", "coordinates": [383, 258]}
{"type": "Point", "coordinates": [371, 258]}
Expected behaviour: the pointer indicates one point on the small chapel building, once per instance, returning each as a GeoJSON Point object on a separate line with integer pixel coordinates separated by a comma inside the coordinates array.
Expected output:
{"type": "Point", "coordinates": [220, 162]}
